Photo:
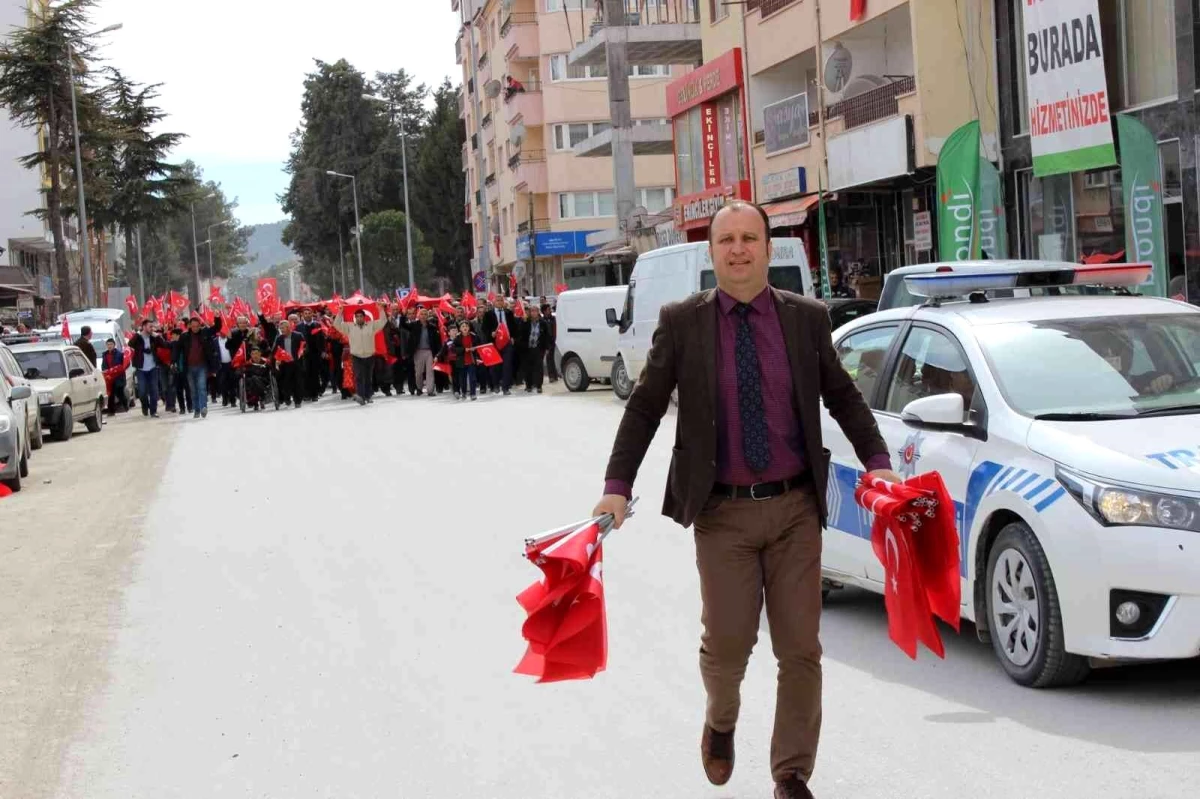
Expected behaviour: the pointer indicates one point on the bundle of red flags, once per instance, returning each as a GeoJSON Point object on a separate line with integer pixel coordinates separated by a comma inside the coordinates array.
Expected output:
{"type": "Point", "coordinates": [915, 538]}
{"type": "Point", "coordinates": [566, 629]}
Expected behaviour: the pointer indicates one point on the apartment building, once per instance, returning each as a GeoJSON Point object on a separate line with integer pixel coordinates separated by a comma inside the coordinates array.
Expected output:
{"type": "Point", "coordinates": [26, 251]}
{"type": "Point", "coordinates": [796, 95]}
{"type": "Point", "coordinates": [545, 180]}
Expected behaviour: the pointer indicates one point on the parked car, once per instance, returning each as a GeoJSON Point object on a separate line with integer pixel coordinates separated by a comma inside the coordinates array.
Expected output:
{"type": "Point", "coordinates": [14, 440]}
{"type": "Point", "coordinates": [843, 310]}
{"type": "Point", "coordinates": [669, 274]}
{"type": "Point", "coordinates": [895, 293]}
{"type": "Point", "coordinates": [69, 387]}
{"type": "Point", "coordinates": [586, 345]}
{"type": "Point", "coordinates": [13, 375]}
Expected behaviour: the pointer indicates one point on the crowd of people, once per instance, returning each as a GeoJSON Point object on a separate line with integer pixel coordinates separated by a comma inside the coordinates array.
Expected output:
{"type": "Point", "coordinates": [307, 351]}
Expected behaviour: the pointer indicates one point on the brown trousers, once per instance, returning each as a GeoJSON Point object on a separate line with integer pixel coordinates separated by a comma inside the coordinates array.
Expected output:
{"type": "Point", "coordinates": [748, 551]}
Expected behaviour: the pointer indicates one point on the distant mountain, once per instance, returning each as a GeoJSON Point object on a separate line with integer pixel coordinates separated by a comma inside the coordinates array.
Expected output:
{"type": "Point", "coordinates": [265, 249]}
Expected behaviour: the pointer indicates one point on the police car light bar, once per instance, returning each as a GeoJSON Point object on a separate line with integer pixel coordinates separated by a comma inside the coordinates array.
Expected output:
{"type": "Point", "coordinates": [949, 283]}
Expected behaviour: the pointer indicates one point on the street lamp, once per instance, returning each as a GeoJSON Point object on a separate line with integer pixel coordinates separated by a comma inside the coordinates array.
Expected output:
{"type": "Point", "coordinates": [412, 280]}
{"type": "Point", "coordinates": [362, 283]}
{"type": "Point", "coordinates": [195, 244]}
{"type": "Point", "coordinates": [210, 249]}
{"type": "Point", "coordinates": [83, 224]}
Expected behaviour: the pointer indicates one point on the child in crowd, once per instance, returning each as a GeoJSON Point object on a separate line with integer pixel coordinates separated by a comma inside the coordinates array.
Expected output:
{"type": "Point", "coordinates": [464, 362]}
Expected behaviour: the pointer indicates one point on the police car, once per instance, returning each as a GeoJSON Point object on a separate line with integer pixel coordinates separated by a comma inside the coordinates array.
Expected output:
{"type": "Point", "coordinates": [1067, 431]}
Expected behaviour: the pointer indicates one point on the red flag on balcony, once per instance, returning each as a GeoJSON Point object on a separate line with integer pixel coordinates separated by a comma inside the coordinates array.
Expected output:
{"type": "Point", "coordinates": [858, 8]}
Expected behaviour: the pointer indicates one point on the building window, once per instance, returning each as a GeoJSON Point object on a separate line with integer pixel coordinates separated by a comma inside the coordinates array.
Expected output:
{"type": "Point", "coordinates": [567, 135]}
{"type": "Point", "coordinates": [1139, 37]}
{"type": "Point", "coordinates": [585, 204]}
{"type": "Point", "coordinates": [717, 11]}
{"type": "Point", "coordinates": [657, 200]}
{"type": "Point", "coordinates": [689, 145]}
{"type": "Point", "coordinates": [571, 5]}
{"type": "Point", "coordinates": [649, 70]}
{"type": "Point", "coordinates": [560, 70]}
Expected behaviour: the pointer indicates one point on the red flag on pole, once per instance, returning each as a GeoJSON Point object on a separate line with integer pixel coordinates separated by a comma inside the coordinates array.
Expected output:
{"type": "Point", "coordinates": [915, 538]}
{"type": "Point", "coordinates": [858, 8]}
{"type": "Point", "coordinates": [566, 628]}
{"type": "Point", "coordinates": [66, 330]}
{"type": "Point", "coordinates": [131, 304]}
{"type": "Point", "coordinates": [239, 357]}
{"type": "Point", "coordinates": [503, 337]}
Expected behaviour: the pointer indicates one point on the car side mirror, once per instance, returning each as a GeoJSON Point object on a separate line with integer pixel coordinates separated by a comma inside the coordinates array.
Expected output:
{"type": "Point", "coordinates": [610, 316]}
{"type": "Point", "coordinates": [76, 372]}
{"type": "Point", "coordinates": [940, 410]}
{"type": "Point", "coordinates": [20, 393]}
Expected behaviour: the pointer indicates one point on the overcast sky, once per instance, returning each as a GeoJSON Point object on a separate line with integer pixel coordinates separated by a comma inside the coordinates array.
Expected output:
{"type": "Point", "coordinates": [233, 71]}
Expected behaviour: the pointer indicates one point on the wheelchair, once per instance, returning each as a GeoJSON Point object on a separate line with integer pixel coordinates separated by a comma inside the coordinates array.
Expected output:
{"type": "Point", "coordinates": [270, 394]}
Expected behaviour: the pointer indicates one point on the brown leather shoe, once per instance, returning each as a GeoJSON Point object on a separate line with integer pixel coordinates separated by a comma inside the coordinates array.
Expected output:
{"type": "Point", "coordinates": [716, 753]}
{"type": "Point", "coordinates": [792, 788]}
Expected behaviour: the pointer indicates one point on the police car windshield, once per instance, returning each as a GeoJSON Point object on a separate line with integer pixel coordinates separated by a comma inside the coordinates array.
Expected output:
{"type": "Point", "coordinates": [1121, 365]}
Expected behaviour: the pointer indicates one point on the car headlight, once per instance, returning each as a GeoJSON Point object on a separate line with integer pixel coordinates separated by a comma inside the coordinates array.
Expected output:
{"type": "Point", "coordinates": [1115, 505]}
{"type": "Point", "coordinates": [5, 424]}
{"type": "Point", "coordinates": [45, 398]}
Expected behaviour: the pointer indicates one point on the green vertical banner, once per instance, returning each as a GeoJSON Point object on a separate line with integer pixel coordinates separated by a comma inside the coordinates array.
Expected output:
{"type": "Point", "coordinates": [958, 195]}
{"type": "Point", "coordinates": [993, 227]}
{"type": "Point", "coordinates": [1141, 183]}
{"type": "Point", "coordinates": [823, 242]}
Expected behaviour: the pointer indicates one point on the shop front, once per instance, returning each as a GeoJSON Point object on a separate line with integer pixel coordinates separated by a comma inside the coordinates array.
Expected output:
{"type": "Point", "coordinates": [712, 160]}
{"type": "Point", "coordinates": [557, 257]}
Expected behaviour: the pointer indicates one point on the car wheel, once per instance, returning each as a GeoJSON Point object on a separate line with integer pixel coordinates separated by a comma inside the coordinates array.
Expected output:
{"type": "Point", "coordinates": [38, 439]}
{"type": "Point", "coordinates": [622, 385]}
{"type": "Point", "coordinates": [1024, 614]}
{"type": "Point", "coordinates": [66, 424]}
{"type": "Point", "coordinates": [95, 423]}
{"type": "Point", "coordinates": [15, 483]}
{"type": "Point", "coordinates": [23, 466]}
{"type": "Point", "coordinates": [574, 375]}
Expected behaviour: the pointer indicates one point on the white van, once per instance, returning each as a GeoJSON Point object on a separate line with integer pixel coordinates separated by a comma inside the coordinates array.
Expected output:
{"type": "Point", "coordinates": [670, 274]}
{"type": "Point", "coordinates": [585, 345]}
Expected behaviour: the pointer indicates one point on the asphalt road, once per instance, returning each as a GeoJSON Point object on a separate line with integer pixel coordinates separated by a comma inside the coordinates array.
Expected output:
{"type": "Point", "coordinates": [322, 605]}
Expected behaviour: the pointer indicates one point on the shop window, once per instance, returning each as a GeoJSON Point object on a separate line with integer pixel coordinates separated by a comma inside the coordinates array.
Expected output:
{"type": "Point", "coordinates": [1139, 43]}
{"type": "Point", "coordinates": [717, 11]}
{"type": "Point", "coordinates": [689, 157]}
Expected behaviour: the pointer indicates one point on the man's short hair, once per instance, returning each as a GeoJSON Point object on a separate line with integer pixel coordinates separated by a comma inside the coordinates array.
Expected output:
{"type": "Point", "coordinates": [360, 311]}
{"type": "Point", "coordinates": [85, 331]}
{"type": "Point", "coordinates": [109, 341]}
{"type": "Point", "coordinates": [738, 204]}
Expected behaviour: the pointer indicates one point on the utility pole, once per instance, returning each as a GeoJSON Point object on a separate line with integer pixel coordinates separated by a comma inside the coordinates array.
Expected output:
{"type": "Point", "coordinates": [624, 185]}
{"type": "Point", "coordinates": [485, 253]}
{"type": "Point", "coordinates": [342, 257]}
{"type": "Point", "coordinates": [141, 279]}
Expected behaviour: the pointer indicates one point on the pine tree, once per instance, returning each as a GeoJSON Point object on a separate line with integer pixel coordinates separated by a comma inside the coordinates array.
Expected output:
{"type": "Point", "coordinates": [439, 193]}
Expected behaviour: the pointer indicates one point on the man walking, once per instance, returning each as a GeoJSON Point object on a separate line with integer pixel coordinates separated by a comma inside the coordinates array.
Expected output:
{"type": "Point", "coordinates": [752, 365]}
{"type": "Point", "coordinates": [146, 347]}
{"type": "Point", "coordinates": [360, 336]}
{"type": "Point", "coordinates": [197, 356]}
{"type": "Point", "coordinates": [84, 343]}
{"type": "Point", "coordinates": [290, 369]}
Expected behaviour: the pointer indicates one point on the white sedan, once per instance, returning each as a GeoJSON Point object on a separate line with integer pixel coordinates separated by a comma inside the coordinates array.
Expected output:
{"type": "Point", "coordinates": [1066, 430]}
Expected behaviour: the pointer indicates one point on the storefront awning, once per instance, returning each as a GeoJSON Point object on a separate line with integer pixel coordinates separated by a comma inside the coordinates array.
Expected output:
{"type": "Point", "coordinates": [790, 213]}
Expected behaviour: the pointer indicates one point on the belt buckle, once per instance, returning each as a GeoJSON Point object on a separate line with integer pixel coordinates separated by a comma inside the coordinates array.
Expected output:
{"type": "Point", "coordinates": [754, 496]}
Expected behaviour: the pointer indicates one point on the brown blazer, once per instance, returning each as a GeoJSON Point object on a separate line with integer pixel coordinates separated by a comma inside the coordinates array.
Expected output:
{"type": "Point", "coordinates": [683, 353]}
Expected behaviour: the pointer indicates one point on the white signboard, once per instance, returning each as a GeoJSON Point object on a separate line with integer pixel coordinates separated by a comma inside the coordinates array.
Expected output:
{"type": "Point", "coordinates": [922, 231]}
{"type": "Point", "coordinates": [1070, 126]}
{"type": "Point", "coordinates": [784, 184]}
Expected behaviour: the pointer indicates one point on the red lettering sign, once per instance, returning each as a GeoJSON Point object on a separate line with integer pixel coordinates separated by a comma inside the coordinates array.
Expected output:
{"type": "Point", "coordinates": [719, 76]}
{"type": "Point", "coordinates": [712, 146]}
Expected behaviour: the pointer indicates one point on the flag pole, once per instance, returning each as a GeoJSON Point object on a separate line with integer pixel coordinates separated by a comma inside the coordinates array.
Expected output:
{"type": "Point", "coordinates": [605, 520]}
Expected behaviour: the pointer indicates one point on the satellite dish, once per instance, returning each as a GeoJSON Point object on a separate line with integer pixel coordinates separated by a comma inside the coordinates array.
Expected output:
{"type": "Point", "coordinates": [492, 88]}
{"type": "Point", "coordinates": [838, 67]}
{"type": "Point", "coordinates": [517, 134]}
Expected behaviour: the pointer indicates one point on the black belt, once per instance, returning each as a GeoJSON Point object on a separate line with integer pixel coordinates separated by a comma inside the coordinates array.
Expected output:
{"type": "Point", "coordinates": [760, 491]}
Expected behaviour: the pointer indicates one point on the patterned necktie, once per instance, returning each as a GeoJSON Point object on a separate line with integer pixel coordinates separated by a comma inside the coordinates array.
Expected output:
{"type": "Point", "coordinates": [750, 401]}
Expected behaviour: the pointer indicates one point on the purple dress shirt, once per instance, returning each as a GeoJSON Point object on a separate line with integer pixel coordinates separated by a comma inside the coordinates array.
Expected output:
{"type": "Point", "coordinates": [784, 431]}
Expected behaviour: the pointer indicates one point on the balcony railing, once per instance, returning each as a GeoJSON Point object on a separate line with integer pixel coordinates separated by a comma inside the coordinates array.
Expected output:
{"type": "Point", "coordinates": [873, 105]}
{"type": "Point", "coordinates": [490, 179]}
{"type": "Point", "coordinates": [767, 7]}
{"type": "Point", "coordinates": [656, 12]}
{"type": "Point", "coordinates": [514, 160]}
{"type": "Point", "coordinates": [538, 224]}
{"type": "Point", "coordinates": [483, 59]}
{"type": "Point", "coordinates": [814, 118]}
{"type": "Point", "coordinates": [474, 141]}
{"type": "Point", "coordinates": [487, 120]}
{"type": "Point", "coordinates": [518, 18]}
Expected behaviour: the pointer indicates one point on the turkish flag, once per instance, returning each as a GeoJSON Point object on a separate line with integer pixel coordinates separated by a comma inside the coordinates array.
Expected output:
{"type": "Point", "coordinates": [915, 538]}
{"type": "Point", "coordinates": [239, 357]}
{"type": "Point", "coordinates": [281, 355]}
{"type": "Point", "coordinates": [489, 355]}
{"type": "Point", "coordinates": [214, 296]}
{"type": "Point", "coordinates": [858, 8]}
{"type": "Point", "coordinates": [267, 290]}
{"type": "Point", "coordinates": [502, 337]}
{"type": "Point", "coordinates": [66, 330]}
{"type": "Point", "coordinates": [131, 304]}
{"type": "Point", "coordinates": [559, 288]}
{"type": "Point", "coordinates": [566, 628]}
{"type": "Point", "coordinates": [178, 301]}
{"type": "Point", "coordinates": [519, 310]}
{"type": "Point", "coordinates": [468, 301]}
{"type": "Point", "coordinates": [360, 303]}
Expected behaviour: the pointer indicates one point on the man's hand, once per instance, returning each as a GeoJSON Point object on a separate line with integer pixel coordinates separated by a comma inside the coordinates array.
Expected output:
{"type": "Point", "coordinates": [614, 504]}
{"type": "Point", "coordinates": [886, 475]}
